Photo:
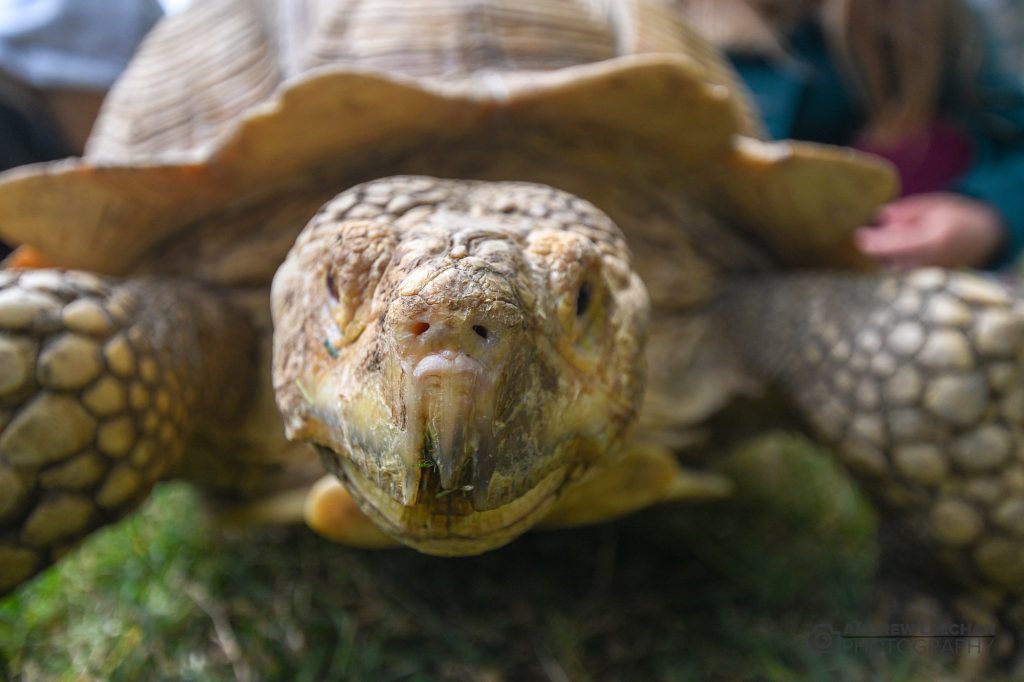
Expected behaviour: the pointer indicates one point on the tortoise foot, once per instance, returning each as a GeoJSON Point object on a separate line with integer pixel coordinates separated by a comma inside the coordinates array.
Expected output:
{"type": "Point", "coordinates": [333, 514]}
{"type": "Point", "coordinates": [917, 380]}
{"type": "Point", "coordinates": [96, 394]}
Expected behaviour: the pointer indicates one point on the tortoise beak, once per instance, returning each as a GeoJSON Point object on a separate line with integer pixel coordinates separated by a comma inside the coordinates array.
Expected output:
{"type": "Point", "coordinates": [448, 402]}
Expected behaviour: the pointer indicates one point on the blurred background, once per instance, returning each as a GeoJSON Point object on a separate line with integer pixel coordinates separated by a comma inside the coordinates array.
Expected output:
{"type": "Point", "coordinates": [1007, 19]}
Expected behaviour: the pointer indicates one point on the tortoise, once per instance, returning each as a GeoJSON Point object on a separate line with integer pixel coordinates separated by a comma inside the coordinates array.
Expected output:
{"type": "Point", "coordinates": [562, 250]}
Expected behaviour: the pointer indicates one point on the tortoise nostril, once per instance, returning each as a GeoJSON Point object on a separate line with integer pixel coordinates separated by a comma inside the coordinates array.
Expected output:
{"type": "Point", "coordinates": [481, 331]}
{"type": "Point", "coordinates": [418, 328]}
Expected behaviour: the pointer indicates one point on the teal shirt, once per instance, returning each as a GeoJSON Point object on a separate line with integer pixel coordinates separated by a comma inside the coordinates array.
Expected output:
{"type": "Point", "coordinates": [806, 98]}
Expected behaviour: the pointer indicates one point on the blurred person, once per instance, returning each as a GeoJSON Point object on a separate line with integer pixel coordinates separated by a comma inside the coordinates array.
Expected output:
{"type": "Point", "coordinates": [917, 82]}
{"type": "Point", "coordinates": [57, 60]}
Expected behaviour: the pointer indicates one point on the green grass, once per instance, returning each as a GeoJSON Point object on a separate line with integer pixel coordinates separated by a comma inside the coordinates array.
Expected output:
{"type": "Point", "coordinates": [719, 591]}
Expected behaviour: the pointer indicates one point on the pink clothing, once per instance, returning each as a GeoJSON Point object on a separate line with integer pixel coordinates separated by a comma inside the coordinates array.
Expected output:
{"type": "Point", "coordinates": [929, 161]}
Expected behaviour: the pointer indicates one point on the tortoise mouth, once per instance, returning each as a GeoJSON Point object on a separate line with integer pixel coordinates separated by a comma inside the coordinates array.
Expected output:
{"type": "Point", "coordinates": [445, 523]}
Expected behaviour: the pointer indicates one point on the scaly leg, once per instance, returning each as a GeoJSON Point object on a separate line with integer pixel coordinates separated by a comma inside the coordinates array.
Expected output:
{"type": "Point", "coordinates": [918, 382]}
{"type": "Point", "coordinates": [101, 383]}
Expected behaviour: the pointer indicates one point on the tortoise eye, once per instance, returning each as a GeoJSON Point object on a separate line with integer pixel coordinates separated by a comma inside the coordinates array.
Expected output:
{"type": "Point", "coordinates": [332, 287]}
{"type": "Point", "coordinates": [583, 299]}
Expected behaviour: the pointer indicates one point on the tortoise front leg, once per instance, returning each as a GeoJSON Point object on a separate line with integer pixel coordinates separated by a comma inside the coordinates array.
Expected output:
{"type": "Point", "coordinates": [641, 475]}
{"type": "Point", "coordinates": [918, 382]}
{"type": "Point", "coordinates": [101, 383]}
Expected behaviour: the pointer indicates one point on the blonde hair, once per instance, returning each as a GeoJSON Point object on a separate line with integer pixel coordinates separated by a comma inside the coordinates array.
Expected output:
{"type": "Point", "coordinates": [897, 55]}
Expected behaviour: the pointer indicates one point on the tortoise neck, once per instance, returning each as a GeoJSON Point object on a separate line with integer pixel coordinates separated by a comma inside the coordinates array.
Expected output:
{"type": "Point", "coordinates": [202, 348]}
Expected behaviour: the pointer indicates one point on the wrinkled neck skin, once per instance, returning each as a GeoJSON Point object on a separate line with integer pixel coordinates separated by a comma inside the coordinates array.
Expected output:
{"type": "Point", "coordinates": [460, 362]}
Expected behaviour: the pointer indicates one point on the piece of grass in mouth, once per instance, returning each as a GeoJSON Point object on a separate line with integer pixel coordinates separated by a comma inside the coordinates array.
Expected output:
{"type": "Point", "coordinates": [461, 489]}
{"type": "Point", "coordinates": [304, 391]}
{"type": "Point", "coordinates": [427, 462]}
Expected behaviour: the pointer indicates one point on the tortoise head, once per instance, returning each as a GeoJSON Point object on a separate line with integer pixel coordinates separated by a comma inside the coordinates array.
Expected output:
{"type": "Point", "coordinates": [458, 351]}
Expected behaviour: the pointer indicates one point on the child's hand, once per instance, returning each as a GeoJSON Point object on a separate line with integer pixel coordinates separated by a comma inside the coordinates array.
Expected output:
{"type": "Point", "coordinates": [933, 229]}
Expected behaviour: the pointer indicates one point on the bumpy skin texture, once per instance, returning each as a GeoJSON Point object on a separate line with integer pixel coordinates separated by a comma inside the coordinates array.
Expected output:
{"type": "Point", "coordinates": [916, 379]}
{"type": "Point", "coordinates": [461, 351]}
{"type": "Point", "coordinates": [100, 386]}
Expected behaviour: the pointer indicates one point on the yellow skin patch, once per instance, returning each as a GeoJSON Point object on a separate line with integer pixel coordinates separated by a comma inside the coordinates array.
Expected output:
{"type": "Point", "coordinates": [461, 359]}
{"type": "Point", "coordinates": [330, 511]}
